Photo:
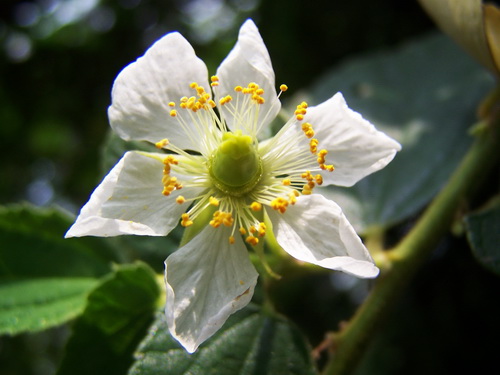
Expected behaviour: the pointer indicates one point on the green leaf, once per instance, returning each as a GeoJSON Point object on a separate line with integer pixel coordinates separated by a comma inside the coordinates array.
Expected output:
{"type": "Point", "coordinates": [36, 304]}
{"type": "Point", "coordinates": [484, 236]}
{"type": "Point", "coordinates": [44, 279]}
{"type": "Point", "coordinates": [116, 317]}
{"type": "Point", "coordinates": [424, 95]}
{"type": "Point", "coordinates": [250, 342]}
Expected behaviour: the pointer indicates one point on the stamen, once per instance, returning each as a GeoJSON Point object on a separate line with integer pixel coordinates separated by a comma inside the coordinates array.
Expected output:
{"type": "Point", "coordinates": [262, 229]}
{"type": "Point", "coordinates": [256, 206]}
{"type": "Point", "coordinates": [252, 240]}
{"type": "Point", "coordinates": [213, 201]}
{"type": "Point", "coordinates": [162, 143]}
{"type": "Point", "coordinates": [308, 130]}
{"type": "Point", "coordinates": [186, 222]}
{"type": "Point", "coordinates": [220, 217]}
{"type": "Point", "coordinates": [313, 145]}
{"type": "Point", "coordinates": [279, 204]}
{"type": "Point", "coordinates": [180, 199]}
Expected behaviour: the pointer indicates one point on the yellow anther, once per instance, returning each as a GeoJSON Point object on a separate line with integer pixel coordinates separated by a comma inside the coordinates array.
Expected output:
{"type": "Point", "coordinates": [259, 91]}
{"type": "Point", "coordinates": [173, 113]}
{"type": "Point", "coordinates": [169, 182]}
{"type": "Point", "coordinates": [306, 190]}
{"type": "Point", "coordinates": [170, 160]}
{"type": "Point", "coordinates": [180, 199]}
{"type": "Point", "coordinates": [231, 240]}
{"type": "Point", "coordinates": [193, 85]}
{"type": "Point", "coordinates": [292, 198]}
{"type": "Point", "coordinates": [211, 103]}
{"type": "Point", "coordinates": [228, 219]}
{"type": "Point", "coordinates": [313, 145]}
{"type": "Point", "coordinates": [190, 102]}
{"type": "Point", "coordinates": [303, 105]}
{"type": "Point", "coordinates": [200, 90]}
{"type": "Point", "coordinates": [186, 222]}
{"type": "Point", "coordinates": [253, 85]}
{"type": "Point", "coordinates": [307, 175]}
{"type": "Point", "coordinates": [321, 156]}
{"type": "Point", "coordinates": [171, 104]}
{"type": "Point", "coordinates": [258, 99]}
{"type": "Point", "coordinates": [256, 206]}
{"type": "Point", "coordinates": [283, 88]}
{"type": "Point", "coordinates": [287, 181]}
{"type": "Point", "coordinates": [328, 168]}
{"type": "Point", "coordinates": [220, 217]}
{"type": "Point", "coordinates": [238, 89]}
{"type": "Point", "coordinates": [214, 79]}
{"type": "Point", "coordinates": [319, 179]}
{"type": "Point", "coordinates": [243, 231]}
{"type": "Point", "coordinates": [308, 130]}
{"type": "Point", "coordinates": [225, 99]}
{"type": "Point", "coordinates": [252, 240]}
{"type": "Point", "coordinates": [166, 191]}
{"type": "Point", "coordinates": [262, 229]}
{"type": "Point", "coordinates": [279, 204]}
{"type": "Point", "coordinates": [162, 143]}
{"type": "Point", "coordinates": [252, 229]}
{"type": "Point", "coordinates": [213, 201]}
{"type": "Point", "coordinates": [184, 99]}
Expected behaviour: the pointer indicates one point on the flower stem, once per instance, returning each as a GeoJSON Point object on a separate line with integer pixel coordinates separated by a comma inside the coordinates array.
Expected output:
{"type": "Point", "coordinates": [413, 250]}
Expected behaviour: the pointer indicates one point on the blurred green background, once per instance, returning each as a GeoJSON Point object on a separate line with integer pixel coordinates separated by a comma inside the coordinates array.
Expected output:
{"type": "Point", "coordinates": [58, 60]}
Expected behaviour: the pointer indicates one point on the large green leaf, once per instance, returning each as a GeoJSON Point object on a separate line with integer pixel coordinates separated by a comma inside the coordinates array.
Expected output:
{"type": "Point", "coordinates": [425, 95]}
{"type": "Point", "coordinates": [484, 235]}
{"type": "Point", "coordinates": [250, 342]}
{"type": "Point", "coordinates": [36, 304]}
{"type": "Point", "coordinates": [116, 317]}
{"type": "Point", "coordinates": [44, 279]}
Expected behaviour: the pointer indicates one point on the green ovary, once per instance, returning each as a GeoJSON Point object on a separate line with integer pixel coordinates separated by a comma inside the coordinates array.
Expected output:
{"type": "Point", "coordinates": [235, 167]}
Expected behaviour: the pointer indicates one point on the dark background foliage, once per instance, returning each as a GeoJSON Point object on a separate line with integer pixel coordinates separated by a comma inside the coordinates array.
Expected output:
{"type": "Point", "coordinates": [57, 68]}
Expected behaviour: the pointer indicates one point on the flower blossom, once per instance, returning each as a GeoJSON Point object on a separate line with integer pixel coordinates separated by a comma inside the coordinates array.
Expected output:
{"type": "Point", "coordinates": [212, 162]}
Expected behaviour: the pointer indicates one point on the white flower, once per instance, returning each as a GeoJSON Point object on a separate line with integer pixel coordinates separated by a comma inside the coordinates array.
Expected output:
{"type": "Point", "coordinates": [215, 161]}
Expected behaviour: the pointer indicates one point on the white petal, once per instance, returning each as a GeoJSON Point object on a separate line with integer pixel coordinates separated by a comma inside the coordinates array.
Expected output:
{"type": "Point", "coordinates": [130, 201]}
{"type": "Point", "coordinates": [315, 230]}
{"type": "Point", "coordinates": [142, 91]}
{"type": "Point", "coordinates": [355, 147]}
{"type": "Point", "coordinates": [207, 280]}
{"type": "Point", "coordinates": [248, 62]}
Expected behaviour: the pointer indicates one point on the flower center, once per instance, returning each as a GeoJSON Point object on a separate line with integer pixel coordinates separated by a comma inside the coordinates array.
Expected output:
{"type": "Point", "coordinates": [235, 166]}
